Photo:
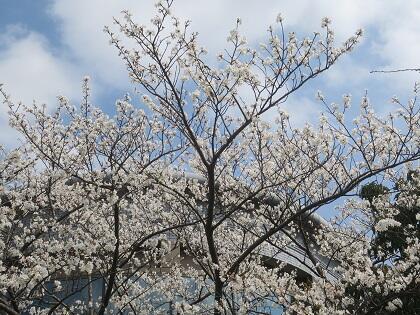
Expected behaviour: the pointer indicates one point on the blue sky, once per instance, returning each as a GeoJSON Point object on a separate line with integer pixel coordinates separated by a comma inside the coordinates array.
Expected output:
{"type": "Point", "coordinates": [47, 46]}
{"type": "Point", "coordinates": [32, 14]}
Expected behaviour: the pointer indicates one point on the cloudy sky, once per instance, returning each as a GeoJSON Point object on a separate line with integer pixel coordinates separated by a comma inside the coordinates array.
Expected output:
{"type": "Point", "coordinates": [47, 46]}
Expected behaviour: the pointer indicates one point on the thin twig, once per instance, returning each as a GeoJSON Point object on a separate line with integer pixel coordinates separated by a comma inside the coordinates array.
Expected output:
{"type": "Point", "coordinates": [397, 70]}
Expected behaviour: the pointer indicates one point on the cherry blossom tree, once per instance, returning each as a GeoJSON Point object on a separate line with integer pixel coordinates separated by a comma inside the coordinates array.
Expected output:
{"type": "Point", "coordinates": [395, 232]}
{"type": "Point", "coordinates": [184, 205]}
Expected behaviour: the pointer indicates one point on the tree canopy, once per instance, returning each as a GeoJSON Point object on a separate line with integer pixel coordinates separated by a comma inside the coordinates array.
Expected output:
{"type": "Point", "coordinates": [194, 203]}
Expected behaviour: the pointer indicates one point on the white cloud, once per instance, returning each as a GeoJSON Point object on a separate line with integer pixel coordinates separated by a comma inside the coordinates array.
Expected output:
{"type": "Point", "coordinates": [29, 71]}
{"type": "Point", "coordinates": [302, 110]}
{"type": "Point", "coordinates": [397, 43]}
{"type": "Point", "coordinates": [348, 72]}
{"type": "Point", "coordinates": [81, 23]}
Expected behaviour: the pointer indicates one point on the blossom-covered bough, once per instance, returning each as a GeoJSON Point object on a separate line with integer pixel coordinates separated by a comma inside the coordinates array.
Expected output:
{"type": "Point", "coordinates": [186, 206]}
